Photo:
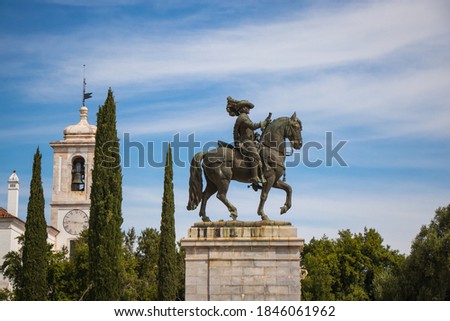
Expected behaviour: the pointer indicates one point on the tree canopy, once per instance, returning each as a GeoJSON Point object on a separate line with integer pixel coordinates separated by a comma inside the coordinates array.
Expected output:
{"type": "Point", "coordinates": [425, 274]}
{"type": "Point", "coordinates": [346, 268]}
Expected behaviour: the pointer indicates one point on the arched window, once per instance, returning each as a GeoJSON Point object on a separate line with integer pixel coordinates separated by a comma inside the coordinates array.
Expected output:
{"type": "Point", "coordinates": [78, 178]}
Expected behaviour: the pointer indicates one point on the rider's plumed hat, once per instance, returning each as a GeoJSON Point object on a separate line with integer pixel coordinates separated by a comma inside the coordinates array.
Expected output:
{"type": "Point", "coordinates": [233, 105]}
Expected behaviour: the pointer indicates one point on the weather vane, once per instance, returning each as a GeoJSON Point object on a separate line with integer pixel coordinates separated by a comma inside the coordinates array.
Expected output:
{"type": "Point", "coordinates": [85, 94]}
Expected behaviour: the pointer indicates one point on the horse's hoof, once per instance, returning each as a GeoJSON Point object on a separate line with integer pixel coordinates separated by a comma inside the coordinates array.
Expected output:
{"type": "Point", "coordinates": [206, 219]}
{"type": "Point", "coordinates": [283, 210]}
{"type": "Point", "coordinates": [233, 216]}
{"type": "Point", "coordinates": [264, 217]}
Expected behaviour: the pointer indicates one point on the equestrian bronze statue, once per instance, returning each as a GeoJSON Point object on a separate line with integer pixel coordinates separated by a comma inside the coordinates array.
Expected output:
{"type": "Point", "coordinates": [253, 160]}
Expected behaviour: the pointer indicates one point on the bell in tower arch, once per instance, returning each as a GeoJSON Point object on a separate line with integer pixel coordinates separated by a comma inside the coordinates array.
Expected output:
{"type": "Point", "coordinates": [78, 174]}
{"type": "Point", "coordinates": [77, 179]}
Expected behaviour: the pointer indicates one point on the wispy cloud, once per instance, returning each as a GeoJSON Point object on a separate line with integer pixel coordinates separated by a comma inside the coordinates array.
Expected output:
{"type": "Point", "coordinates": [323, 39]}
{"type": "Point", "coordinates": [413, 102]}
{"type": "Point", "coordinates": [97, 3]}
{"type": "Point", "coordinates": [342, 62]}
{"type": "Point", "coordinates": [197, 119]}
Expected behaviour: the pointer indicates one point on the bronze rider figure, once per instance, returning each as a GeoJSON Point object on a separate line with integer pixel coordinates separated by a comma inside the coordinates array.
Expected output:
{"type": "Point", "coordinates": [244, 135]}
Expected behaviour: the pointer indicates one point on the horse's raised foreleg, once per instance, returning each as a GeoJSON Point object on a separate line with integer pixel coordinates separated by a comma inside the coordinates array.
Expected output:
{"type": "Point", "coordinates": [288, 189]}
{"type": "Point", "coordinates": [210, 189]}
{"type": "Point", "coordinates": [222, 187]}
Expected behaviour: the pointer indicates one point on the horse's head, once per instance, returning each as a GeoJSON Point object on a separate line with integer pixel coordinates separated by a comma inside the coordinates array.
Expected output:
{"type": "Point", "coordinates": [294, 132]}
{"type": "Point", "coordinates": [283, 128]}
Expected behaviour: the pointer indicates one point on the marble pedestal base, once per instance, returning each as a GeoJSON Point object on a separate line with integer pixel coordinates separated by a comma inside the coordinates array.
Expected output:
{"type": "Point", "coordinates": [235, 260]}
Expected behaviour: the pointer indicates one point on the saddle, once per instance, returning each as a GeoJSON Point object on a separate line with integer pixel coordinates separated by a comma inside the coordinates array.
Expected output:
{"type": "Point", "coordinates": [223, 144]}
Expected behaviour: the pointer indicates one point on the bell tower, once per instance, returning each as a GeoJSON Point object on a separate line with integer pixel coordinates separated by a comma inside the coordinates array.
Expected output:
{"type": "Point", "coordinates": [72, 178]}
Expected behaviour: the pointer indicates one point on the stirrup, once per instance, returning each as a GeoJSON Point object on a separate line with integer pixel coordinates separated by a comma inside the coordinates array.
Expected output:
{"type": "Point", "coordinates": [255, 186]}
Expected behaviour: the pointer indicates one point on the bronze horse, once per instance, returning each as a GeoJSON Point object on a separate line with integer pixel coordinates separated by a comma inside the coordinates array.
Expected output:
{"type": "Point", "coordinates": [224, 164]}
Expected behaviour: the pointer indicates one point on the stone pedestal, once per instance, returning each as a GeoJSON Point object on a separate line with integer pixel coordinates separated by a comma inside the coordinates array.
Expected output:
{"type": "Point", "coordinates": [233, 260]}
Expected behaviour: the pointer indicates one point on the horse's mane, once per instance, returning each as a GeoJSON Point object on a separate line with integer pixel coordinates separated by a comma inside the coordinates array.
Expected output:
{"type": "Point", "coordinates": [278, 120]}
{"type": "Point", "coordinates": [271, 132]}
{"type": "Point", "coordinates": [275, 123]}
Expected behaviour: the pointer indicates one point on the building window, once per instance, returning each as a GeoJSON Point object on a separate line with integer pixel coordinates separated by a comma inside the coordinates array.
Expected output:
{"type": "Point", "coordinates": [78, 177]}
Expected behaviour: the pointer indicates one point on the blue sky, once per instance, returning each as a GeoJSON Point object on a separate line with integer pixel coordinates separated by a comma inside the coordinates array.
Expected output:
{"type": "Point", "coordinates": [374, 73]}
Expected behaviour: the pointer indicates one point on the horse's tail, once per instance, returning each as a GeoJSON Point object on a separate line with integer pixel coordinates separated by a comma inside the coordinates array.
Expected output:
{"type": "Point", "coordinates": [195, 182]}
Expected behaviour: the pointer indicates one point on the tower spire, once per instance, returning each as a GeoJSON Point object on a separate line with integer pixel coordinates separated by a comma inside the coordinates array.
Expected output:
{"type": "Point", "coordinates": [85, 94]}
{"type": "Point", "coordinates": [13, 194]}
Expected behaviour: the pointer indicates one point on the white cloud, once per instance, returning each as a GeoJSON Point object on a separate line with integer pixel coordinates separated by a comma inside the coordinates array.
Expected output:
{"type": "Point", "coordinates": [317, 63]}
{"type": "Point", "coordinates": [404, 104]}
{"type": "Point", "coordinates": [187, 119]}
{"type": "Point", "coordinates": [393, 105]}
{"type": "Point", "coordinates": [96, 3]}
{"type": "Point", "coordinates": [317, 39]}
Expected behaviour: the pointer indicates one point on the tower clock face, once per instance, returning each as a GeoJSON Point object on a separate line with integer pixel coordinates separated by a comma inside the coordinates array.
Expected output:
{"type": "Point", "coordinates": [75, 222]}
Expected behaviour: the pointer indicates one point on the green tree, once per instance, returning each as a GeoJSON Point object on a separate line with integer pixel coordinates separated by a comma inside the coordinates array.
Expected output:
{"type": "Point", "coordinates": [59, 278]}
{"type": "Point", "coordinates": [347, 268]}
{"type": "Point", "coordinates": [5, 295]}
{"type": "Point", "coordinates": [129, 263]}
{"type": "Point", "coordinates": [105, 235]}
{"type": "Point", "coordinates": [34, 285]}
{"type": "Point", "coordinates": [181, 272]}
{"type": "Point", "coordinates": [147, 254]}
{"type": "Point", "coordinates": [80, 265]}
{"type": "Point", "coordinates": [68, 277]}
{"type": "Point", "coordinates": [382, 262]}
{"type": "Point", "coordinates": [320, 259]}
{"type": "Point", "coordinates": [167, 265]}
{"type": "Point", "coordinates": [61, 274]}
{"type": "Point", "coordinates": [426, 272]}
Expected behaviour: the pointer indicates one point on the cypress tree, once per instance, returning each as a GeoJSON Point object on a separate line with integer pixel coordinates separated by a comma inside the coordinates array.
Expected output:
{"type": "Point", "coordinates": [34, 259]}
{"type": "Point", "coordinates": [167, 263]}
{"type": "Point", "coordinates": [104, 235]}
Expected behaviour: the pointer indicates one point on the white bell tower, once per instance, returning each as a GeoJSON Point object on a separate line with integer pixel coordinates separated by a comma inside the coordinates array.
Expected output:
{"type": "Point", "coordinates": [13, 194]}
{"type": "Point", "coordinates": [72, 178]}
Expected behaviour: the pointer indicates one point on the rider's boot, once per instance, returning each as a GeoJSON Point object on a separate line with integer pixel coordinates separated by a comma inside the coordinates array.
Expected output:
{"type": "Point", "coordinates": [254, 172]}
